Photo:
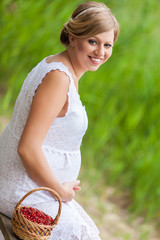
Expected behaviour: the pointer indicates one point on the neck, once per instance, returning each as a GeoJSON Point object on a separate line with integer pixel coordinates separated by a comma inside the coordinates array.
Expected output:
{"type": "Point", "coordinates": [78, 72]}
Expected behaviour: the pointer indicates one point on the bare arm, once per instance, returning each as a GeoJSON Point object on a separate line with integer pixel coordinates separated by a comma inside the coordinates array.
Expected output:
{"type": "Point", "coordinates": [47, 103]}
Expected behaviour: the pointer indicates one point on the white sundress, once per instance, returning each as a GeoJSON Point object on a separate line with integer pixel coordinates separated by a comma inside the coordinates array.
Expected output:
{"type": "Point", "coordinates": [61, 148]}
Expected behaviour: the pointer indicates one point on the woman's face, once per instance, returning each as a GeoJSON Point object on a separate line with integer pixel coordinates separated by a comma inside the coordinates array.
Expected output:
{"type": "Point", "coordinates": [91, 53]}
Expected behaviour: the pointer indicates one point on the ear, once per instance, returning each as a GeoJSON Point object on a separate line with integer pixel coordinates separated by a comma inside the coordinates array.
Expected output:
{"type": "Point", "coordinates": [71, 40]}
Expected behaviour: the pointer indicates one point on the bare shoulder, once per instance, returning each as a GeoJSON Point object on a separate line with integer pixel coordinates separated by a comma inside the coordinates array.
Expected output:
{"type": "Point", "coordinates": [55, 79]}
{"type": "Point", "coordinates": [53, 88]}
{"type": "Point", "coordinates": [57, 76]}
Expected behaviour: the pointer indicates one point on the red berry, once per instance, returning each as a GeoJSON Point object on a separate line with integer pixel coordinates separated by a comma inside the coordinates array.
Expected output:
{"type": "Point", "coordinates": [35, 215]}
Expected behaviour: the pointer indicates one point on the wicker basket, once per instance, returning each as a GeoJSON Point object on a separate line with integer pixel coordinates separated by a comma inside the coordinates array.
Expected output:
{"type": "Point", "coordinates": [28, 230]}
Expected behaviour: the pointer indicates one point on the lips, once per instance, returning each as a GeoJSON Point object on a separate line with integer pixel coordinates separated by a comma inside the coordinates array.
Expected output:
{"type": "Point", "coordinates": [95, 60]}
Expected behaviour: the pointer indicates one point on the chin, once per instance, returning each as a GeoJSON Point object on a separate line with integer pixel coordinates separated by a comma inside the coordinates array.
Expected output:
{"type": "Point", "coordinates": [94, 69]}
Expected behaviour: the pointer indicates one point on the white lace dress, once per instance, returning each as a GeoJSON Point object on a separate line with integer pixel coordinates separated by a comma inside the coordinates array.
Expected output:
{"type": "Point", "coordinates": [61, 148]}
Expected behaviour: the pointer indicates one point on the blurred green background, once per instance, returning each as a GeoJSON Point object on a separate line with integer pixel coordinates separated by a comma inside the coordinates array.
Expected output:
{"type": "Point", "coordinates": [122, 99]}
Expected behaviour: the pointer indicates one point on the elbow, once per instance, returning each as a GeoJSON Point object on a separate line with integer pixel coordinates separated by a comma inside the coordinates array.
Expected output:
{"type": "Point", "coordinates": [27, 154]}
{"type": "Point", "coordinates": [21, 150]}
{"type": "Point", "coordinates": [26, 150]}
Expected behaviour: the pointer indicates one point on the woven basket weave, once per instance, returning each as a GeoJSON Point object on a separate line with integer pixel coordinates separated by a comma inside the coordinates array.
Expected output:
{"type": "Point", "coordinates": [28, 230]}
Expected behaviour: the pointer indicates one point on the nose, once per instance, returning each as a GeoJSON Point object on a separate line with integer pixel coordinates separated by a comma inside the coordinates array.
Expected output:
{"type": "Point", "coordinates": [100, 52]}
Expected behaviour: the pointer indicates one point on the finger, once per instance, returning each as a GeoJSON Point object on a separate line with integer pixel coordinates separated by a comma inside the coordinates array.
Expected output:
{"type": "Point", "coordinates": [77, 188]}
{"type": "Point", "coordinates": [66, 201]}
{"type": "Point", "coordinates": [77, 182]}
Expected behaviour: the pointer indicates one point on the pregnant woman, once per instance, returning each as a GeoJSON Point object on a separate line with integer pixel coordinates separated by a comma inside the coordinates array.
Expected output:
{"type": "Point", "coordinates": [41, 144]}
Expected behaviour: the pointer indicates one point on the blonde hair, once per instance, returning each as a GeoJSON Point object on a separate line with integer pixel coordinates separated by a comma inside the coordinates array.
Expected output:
{"type": "Point", "coordinates": [89, 19]}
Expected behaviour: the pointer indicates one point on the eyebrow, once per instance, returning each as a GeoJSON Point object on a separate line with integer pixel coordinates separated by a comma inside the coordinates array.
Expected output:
{"type": "Point", "coordinates": [107, 41]}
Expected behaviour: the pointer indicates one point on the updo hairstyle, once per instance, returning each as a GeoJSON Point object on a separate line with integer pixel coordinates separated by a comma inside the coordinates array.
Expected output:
{"type": "Point", "coordinates": [89, 19]}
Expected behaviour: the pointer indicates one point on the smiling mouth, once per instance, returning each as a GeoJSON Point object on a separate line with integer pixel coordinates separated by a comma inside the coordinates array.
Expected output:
{"type": "Point", "coordinates": [97, 60]}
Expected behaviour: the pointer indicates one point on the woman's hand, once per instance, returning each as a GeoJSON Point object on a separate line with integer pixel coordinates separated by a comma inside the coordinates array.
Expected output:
{"type": "Point", "coordinates": [69, 189]}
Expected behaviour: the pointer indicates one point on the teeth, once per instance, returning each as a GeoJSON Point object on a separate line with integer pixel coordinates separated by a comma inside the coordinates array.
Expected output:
{"type": "Point", "coordinates": [96, 60]}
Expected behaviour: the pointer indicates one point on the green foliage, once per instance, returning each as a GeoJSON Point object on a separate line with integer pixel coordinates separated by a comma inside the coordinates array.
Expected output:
{"type": "Point", "coordinates": [122, 98]}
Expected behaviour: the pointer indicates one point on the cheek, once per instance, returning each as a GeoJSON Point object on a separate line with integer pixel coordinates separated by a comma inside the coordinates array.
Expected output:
{"type": "Point", "coordinates": [109, 53]}
{"type": "Point", "coordinates": [82, 47]}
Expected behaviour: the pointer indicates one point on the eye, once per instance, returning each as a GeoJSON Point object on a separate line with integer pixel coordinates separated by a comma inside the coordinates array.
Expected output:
{"type": "Point", "coordinates": [108, 45]}
{"type": "Point", "coordinates": [92, 42]}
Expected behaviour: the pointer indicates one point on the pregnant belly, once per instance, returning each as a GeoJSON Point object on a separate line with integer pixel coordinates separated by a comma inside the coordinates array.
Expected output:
{"type": "Point", "coordinates": [65, 165]}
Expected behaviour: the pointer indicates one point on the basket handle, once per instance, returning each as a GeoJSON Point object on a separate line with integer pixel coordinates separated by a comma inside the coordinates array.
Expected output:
{"type": "Point", "coordinates": [46, 189]}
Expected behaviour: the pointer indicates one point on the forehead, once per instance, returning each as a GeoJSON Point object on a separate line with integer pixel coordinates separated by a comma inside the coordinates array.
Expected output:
{"type": "Point", "coordinates": [105, 36]}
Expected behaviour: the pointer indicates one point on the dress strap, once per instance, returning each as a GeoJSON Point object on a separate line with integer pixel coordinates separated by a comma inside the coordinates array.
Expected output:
{"type": "Point", "coordinates": [60, 66]}
{"type": "Point", "coordinates": [44, 68]}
